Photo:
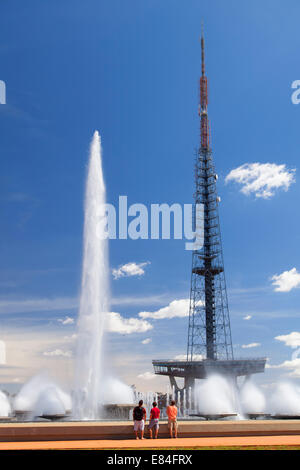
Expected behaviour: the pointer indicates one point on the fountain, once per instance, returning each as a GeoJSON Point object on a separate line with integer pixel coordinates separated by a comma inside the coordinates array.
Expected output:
{"type": "Point", "coordinates": [285, 401]}
{"type": "Point", "coordinates": [214, 398]}
{"type": "Point", "coordinates": [95, 394]}
{"type": "Point", "coordinates": [252, 400]}
{"type": "Point", "coordinates": [94, 293]}
{"type": "Point", "coordinates": [41, 397]}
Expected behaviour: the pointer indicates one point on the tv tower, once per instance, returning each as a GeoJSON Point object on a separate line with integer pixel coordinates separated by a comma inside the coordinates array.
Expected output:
{"type": "Point", "coordinates": [209, 347]}
{"type": "Point", "coordinates": [209, 333]}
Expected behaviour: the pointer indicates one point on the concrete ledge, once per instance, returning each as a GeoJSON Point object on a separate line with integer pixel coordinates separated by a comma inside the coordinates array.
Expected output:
{"type": "Point", "coordinates": [21, 432]}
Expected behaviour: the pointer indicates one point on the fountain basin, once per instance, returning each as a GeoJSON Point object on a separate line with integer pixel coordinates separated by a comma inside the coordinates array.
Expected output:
{"type": "Point", "coordinates": [257, 415]}
{"type": "Point", "coordinates": [215, 416]}
{"type": "Point", "coordinates": [285, 416]}
{"type": "Point", "coordinates": [64, 431]}
{"type": "Point", "coordinates": [117, 411]}
{"type": "Point", "coordinates": [54, 417]}
{"type": "Point", "coordinates": [22, 415]}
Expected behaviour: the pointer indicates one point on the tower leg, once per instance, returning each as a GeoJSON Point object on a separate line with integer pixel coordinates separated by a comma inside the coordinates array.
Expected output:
{"type": "Point", "coordinates": [189, 383]}
{"type": "Point", "coordinates": [174, 387]}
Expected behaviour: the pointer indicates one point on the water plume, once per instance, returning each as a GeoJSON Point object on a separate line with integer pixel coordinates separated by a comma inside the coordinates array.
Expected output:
{"type": "Point", "coordinates": [215, 395]}
{"type": "Point", "coordinates": [5, 408]}
{"type": "Point", "coordinates": [252, 398]}
{"type": "Point", "coordinates": [285, 400]}
{"type": "Point", "coordinates": [40, 396]}
{"type": "Point", "coordinates": [94, 292]}
{"type": "Point", "coordinates": [116, 391]}
{"type": "Point", "coordinates": [52, 401]}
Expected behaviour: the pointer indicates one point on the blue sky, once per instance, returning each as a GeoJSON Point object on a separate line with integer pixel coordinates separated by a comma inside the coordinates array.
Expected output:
{"type": "Point", "coordinates": [130, 69]}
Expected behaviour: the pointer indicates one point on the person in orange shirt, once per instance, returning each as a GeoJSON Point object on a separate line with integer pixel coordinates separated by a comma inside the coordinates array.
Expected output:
{"type": "Point", "coordinates": [172, 418]}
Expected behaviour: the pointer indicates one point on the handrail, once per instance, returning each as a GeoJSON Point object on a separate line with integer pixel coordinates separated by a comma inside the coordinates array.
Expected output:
{"type": "Point", "coordinates": [184, 361]}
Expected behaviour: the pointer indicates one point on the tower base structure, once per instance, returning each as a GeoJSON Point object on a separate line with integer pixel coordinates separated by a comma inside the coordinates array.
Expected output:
{"type": "Point", "coordinates": [192, 370]}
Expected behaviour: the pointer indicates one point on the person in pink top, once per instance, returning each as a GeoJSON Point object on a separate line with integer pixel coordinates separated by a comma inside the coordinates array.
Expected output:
{"type": "Point", "coordinates": [154, 417]}
{"type": "Point", "coordinates": [172, 418]}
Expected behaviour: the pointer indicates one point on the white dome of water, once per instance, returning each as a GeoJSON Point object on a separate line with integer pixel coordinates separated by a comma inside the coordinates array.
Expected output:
{"type": "Point", "coordinates": [215, 395]}
{"type": "Point", "coordinates": [41, 396]}
{"type": "Point", "coordinates": [285, 400]}
{"type": "Point", "coordinates": [252, 398]}
{"type": "Point", "coordinates": [52, 401]}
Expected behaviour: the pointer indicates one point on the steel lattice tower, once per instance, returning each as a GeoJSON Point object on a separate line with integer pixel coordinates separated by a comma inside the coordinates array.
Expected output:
{"type": "Point", "coordinates": [209, 347]}
{"type": "Point", "coordinates": [209, 333]}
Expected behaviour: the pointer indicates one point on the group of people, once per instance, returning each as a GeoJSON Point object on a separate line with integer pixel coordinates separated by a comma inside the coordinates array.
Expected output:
{"type": "Point", "coordinates": [140, 415]}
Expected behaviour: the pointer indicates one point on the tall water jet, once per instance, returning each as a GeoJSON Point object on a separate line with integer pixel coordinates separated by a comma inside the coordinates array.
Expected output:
{"type": "Point", "coordinates": [94, 292]}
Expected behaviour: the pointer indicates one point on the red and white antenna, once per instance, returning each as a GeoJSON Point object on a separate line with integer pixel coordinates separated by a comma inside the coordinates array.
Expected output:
{"type": "Point", "coordinates": [204, 123]}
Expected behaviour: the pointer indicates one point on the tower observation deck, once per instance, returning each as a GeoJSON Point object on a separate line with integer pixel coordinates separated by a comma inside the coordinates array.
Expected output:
{"type": "Point", "coordinates": [209, 345]}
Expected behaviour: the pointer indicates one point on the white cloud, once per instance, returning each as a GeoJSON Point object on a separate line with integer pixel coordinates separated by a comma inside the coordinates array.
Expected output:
{"type": "Point", "coordinates": [286, 281]}
{"type": "Point", "coordinates": [262, 179]}
{"type": "Point", "coordinates": [293, 366]}
{"type": "Point", "coordinates": [176, 308]}
{"type": "Point", "coordinates": [58, 353]}
{"type": "Point", "coordinates": [25, 347]}
{"type": "Point", "coordinates": [37, 304]}
{"type": "Point", "coordinates": [247, 317]}
{"type": "Point", "coordinates": [250, 345]}
{"type": "Point", "coordinates": [2, 352]}
{"type": "Point", "coordinates": [118, 324]}
{"type": "Point", "coordinates": [44, 304]}
{"type": "Point", "coordinates": [196, 357]}
{"type": "Point", "coordinates": [129, 269]}
{"type": "Point", "coordinates": [147, 376]}
{"type": "Point", "coordinates": [66, 321]}
{"type": "Point", "coordinates": [146, 341]}
{"type": "Point", "coordinates": [292, 339]}
{"type": "Point", "coordinates": [71, 338]}
{"type": "Point", "coordinates": [156, 299]}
